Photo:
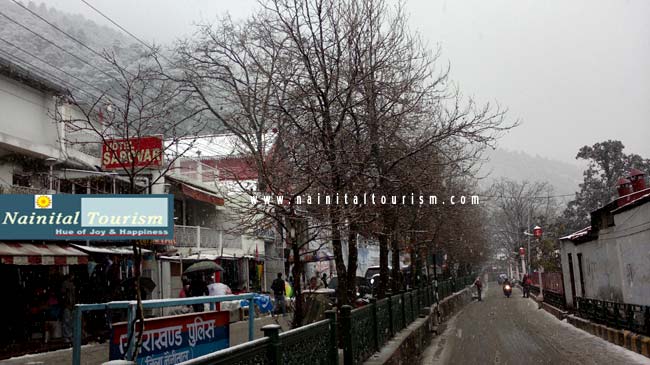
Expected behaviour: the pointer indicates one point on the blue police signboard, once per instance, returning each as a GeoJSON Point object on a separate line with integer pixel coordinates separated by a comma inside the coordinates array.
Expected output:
{"type": "Point", "coordinates": [175, 339]}
{"type": "Point", "coordinates": [87, 217]}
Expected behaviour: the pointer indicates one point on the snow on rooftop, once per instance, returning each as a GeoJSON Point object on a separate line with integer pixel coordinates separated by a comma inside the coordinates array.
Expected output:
{"type": "Point", "coordinates": [217, 145]}
{"type": "Point", "coordinates": [581, 233]}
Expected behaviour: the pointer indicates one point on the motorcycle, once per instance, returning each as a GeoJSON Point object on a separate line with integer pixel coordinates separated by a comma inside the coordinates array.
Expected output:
{"type": "Point", "coordinates": [507, 290]}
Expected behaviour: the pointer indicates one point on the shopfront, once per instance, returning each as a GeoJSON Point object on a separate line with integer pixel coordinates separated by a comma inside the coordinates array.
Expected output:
{"type": "Point", "coordinates": [33, 276]}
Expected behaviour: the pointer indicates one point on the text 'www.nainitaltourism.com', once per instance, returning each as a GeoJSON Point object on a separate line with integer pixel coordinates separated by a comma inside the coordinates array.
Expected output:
{"type": "Point", "coordinates": [366, 199]}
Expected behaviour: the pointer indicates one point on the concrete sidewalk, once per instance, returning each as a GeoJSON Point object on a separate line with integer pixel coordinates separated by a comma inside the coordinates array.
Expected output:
{"type": "Point", "coordinates": [97, 353]}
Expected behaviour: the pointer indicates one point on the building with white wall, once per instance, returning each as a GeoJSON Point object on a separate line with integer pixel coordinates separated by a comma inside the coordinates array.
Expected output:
{"type": "Point", "coordinates": [610, 259]}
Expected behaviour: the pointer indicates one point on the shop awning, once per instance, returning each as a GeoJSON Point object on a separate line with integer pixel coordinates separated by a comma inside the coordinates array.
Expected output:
{"type": "Point", "coordinates": [196, 192]}
{"type": "Point", "coordinates": [202, 195]}
{"type": "Point", "coordinates": [110, 250]}
{"type": "Point", "coordinates": [40, 254]}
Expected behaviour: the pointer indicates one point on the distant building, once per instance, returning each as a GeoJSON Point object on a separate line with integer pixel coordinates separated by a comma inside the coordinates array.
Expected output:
{"type": "Point", "coordinates": [610, 259]}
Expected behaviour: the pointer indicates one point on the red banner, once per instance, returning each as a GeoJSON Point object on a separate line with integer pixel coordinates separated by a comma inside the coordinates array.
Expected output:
{"type": "Point", "coordinates": [138, 152]}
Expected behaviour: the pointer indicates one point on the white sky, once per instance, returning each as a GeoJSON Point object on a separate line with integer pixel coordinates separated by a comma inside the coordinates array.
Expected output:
{"type": "Point", "coordinates": [574, 72]}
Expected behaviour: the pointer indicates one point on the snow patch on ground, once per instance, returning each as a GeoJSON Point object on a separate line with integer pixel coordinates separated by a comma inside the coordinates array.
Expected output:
{"type": "Point", "coordinates": [40, 354]}
{"type": "Point", "coordinates": [634, 357]}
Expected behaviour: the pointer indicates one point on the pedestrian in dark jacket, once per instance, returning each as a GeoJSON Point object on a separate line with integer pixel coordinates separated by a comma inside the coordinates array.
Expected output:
{"type": "Point", "coordinates": [526, 283]}
{"type": "Point", "coordinates": [198, 288]}
{"type": "Point", "coordinates": [479, 286]}
{"type": "Point", "coordinates": [279, 291]}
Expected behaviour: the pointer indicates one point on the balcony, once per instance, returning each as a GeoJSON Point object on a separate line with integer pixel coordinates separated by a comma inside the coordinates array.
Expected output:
{"type": "Point", "coordinates": [15, 189]}
{"type": "Point", "coordinates": [83, 140]}
{"type": "Point", "coordinates": [204, 237]}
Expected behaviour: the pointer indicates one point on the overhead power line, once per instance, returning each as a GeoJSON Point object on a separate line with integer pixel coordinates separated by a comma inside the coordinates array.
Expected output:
{"type": "Point", "coordinates": [55, 45]}
{"type": "Point", "coordinates": [122, 28]}
{"type": "Point", "coordinates": [49, 64]}
{"type": "Point", "coordinates": [57, 28]}
{"type": "Point", "coordinates": [37, 70]}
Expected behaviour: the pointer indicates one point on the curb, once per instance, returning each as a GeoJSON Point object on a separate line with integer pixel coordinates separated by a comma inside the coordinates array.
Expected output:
{"type": "Point", "coordinates": [557, 312]}
{"type": "Point", "coordinates": [624, 338]}
{"type": "Point", "coordinates": [407, 346]}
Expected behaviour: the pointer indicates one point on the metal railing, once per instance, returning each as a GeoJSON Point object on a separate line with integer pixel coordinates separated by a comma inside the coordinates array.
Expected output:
{"type": "Point", "coordinates": [555, 299]}
{"type": "Point", "coordinates": [367, 329]}
{"type": "Point", "coordinates": [315, 343]}
{"type": "Point", "coordinates": [534, 289]}
{"type": "Point", "coordinates": [632, 317]}
{"type": "Point", "coordinates": [364, 331]}
{"type": "Point", "coordinates": [450, 286]}
{"type": "Point", "coordinates": [15, 189]}
{"type": "Point", "coordinates": [204, 237]}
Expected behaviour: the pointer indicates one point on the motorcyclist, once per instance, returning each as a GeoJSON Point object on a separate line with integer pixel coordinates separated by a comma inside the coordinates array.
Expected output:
{"type": "Point", "coordinates": [506, 283]}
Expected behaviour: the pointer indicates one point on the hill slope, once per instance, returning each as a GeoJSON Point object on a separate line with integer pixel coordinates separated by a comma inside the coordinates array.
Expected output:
{"type": "Point", "coordinates": [518, 165]}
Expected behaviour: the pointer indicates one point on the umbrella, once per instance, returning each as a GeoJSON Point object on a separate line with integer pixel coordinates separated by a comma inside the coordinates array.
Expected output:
{"type": "Point", "coordinates": [203, 266]}
{"type": "Point", "coordinates": [145, 283]}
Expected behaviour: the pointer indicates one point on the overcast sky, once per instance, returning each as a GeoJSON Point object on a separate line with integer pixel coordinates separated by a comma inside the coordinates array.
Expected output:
{"type": "Point", "coordinates": [574, 72]}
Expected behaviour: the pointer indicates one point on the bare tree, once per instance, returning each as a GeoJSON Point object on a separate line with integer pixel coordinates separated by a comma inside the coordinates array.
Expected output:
{"type": "Point", "coordinates": [355, 99]}
{"type": "Point", "coordinates": [140, 103]}
{"type": "Point", "coordinates": [516, 205]}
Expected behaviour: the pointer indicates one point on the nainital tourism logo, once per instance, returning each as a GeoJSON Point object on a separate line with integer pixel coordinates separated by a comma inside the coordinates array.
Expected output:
{"type": "Point", "coordinates": [86, 217]}
{"type": "Point", "coordinates": [43, 201]}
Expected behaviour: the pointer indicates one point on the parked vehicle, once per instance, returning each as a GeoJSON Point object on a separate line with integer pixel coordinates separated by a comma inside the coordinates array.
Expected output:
{"type": "Point", "coordinates": [362, 288]}
{"type": "Point", "coordinates": [502, 278]}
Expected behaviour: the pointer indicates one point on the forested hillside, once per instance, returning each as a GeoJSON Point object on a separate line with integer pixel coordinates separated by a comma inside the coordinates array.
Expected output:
{"type": "Point", "coordinates": [518, 165]}
{"type": "Point", "coordinates": [39, 47]}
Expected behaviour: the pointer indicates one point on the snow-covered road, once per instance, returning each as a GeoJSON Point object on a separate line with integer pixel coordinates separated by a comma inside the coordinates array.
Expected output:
{"type": "Point", "coordinates": [513, 330]}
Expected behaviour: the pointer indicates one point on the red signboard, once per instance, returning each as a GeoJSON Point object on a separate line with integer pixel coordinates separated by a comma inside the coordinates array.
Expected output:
{"type": "Point", "coordinates": [137, 152]}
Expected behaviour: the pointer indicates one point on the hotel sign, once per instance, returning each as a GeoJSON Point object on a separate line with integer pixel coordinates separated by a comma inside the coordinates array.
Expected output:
{"type": "Point", "coordinates": [86, 217]}
{"type": "Point", "coordinates": [138, 152]}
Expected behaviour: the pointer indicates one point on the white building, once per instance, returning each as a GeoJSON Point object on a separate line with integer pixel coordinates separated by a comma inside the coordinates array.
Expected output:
{"type": "Point", "coordinates": [610, 259]}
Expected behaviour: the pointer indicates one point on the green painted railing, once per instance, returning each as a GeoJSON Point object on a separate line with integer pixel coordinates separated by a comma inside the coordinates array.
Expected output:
{"type": "Point", "coordinates": [313, 344]}
{"type": "Point", "coordinates": [364, 331]}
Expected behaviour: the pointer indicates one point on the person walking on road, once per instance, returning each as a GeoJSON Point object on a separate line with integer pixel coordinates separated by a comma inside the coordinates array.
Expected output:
{"type": "Point", "coordinates": [479, 286]}
{"type": "Point", "coordinates": [279, 291]}
{"type": "Point", "coordinates": [526, 283]}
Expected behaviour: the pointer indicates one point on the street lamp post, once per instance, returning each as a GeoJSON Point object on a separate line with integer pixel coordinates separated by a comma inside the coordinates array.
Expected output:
{"type": "Point", "coordinates": [522, 253]}
{"type": "Point", "coordinates": [537, 233]}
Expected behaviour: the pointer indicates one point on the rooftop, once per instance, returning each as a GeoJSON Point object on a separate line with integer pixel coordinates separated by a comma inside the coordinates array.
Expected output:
{"type": "Point", "coordinates": [21, 74]}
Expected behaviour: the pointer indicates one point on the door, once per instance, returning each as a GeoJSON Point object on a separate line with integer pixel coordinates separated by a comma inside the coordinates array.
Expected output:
{"type": "Point", "coordinates": [582, 280]}
{"type": "Point", "coordinates": [572, 279]}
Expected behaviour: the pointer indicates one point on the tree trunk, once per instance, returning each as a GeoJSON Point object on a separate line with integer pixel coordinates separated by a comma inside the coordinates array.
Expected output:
{"type": "Point", "coordinates": [341, 272]}
{"type": "Point", "coordinates": [297, 272]}
{"type": "Point", "coordinates": [383, 266]}
{"type": "Point", "coordinates": [352, 261]}
{"type": "Point", "coordinates": [397, 282]}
